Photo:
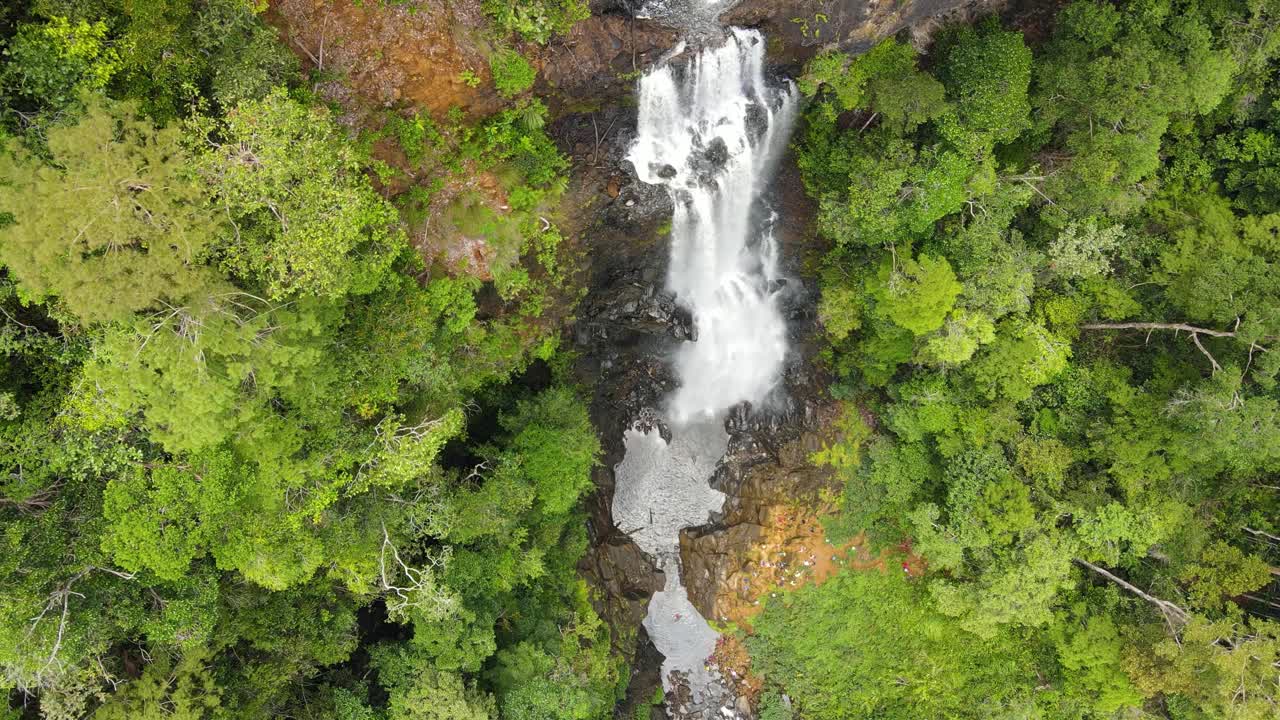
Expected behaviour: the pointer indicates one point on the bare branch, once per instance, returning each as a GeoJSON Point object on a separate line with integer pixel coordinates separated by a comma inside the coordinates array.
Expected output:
{"type": "Point", "coordinates": [1195, 338]}
{"type": "Point", "coordinates": [62, 596]}
{"type": "Point", "coordinates": [422, 590]}
{"type": "Point", "coordinates": [1174, 616]}
{"type": "Point", "coordinates": [1158, 326]}
{"type": "Point", "coordinates": [314, 60]}
{"type": "Point", "coordinates": [1261, 534]}
{"type": "Point", "coordinates": [1194, 331]}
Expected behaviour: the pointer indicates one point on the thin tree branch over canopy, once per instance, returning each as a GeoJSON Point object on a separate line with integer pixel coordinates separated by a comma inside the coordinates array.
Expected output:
{"type": "Point", "coordinates": [1174, 615]}
{"type": "Point", "coordinates": [1183, 327]}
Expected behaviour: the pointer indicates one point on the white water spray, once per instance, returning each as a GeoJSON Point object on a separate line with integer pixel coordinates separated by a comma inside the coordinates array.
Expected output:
{"type": "Point", "coordinates": [710, 131]}
{"type": "Point", "coordinates": [712, 135]}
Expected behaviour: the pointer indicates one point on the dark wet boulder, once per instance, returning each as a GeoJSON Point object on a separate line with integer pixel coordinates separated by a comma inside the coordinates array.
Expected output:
{"type": "Point", "coordinates": [717, 153]}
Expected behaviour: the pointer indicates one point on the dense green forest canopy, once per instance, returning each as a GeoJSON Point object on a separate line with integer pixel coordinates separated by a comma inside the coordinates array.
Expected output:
{"type": "Point", "coordinates": [263, 457]}
{"type": "Point", "coordinates": [1053, 287]}
{"type": "Point", "coordinates": [259, 456]}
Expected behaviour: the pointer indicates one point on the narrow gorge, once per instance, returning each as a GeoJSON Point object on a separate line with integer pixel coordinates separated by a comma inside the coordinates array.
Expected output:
{"type": "Point", "coordinates": [710, 130]}
{"type": "Point", "coordinates": [702, 337]}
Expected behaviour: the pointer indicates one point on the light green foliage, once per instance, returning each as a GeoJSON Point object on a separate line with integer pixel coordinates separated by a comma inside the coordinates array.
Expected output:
{"type": "Point", "coordinates": [867, 644]}
{"type": "Point", "coordinates": [884, 80]}
{"type": "Point", "coordinates": [1075, 488]}
{"type": "Point", "coordinates": [229, 390]}
{"type": "Point", "coordinates": [1114, 531]}
{"type": "Point", "coordinates": [512, 74]}
{"type": "Point", "coordinates": [1084, 250]}
{"type": "Point", "coordinates": [1023, 356]}
{"type": "Point", "coordinates": [1224, 571]}
{"type": "Point", "coordinates": [915, 294]}
{"type": "Point", "coordinates": [515, 136]}
{"type": "Point", "coordinates": [421, 693]}
{"type": "Point", "coordinates": [959, 338]}
{"type": "Point", "coordinates": [348, 706]}
{"type": "Point", "coordinates": [163, 519]}
{"type": "Point", "coordinates": [536, 20]}
{"type": "Point", "coordinates": [874, 186]}
{"type": "Point", "coordinates": [515, 540]}
{"type": "Point", "coordinates": [772, 707]}
{"type": "Point", "coordinates": [841, 311]}
{"type": "Point", "coordinates": [187, 368]}
{"type": "Point", "coordinates": [50, 64]}
{"type": "Point", "coordinates": [113, 226]}
{"type": "Point", "coordinates": [893, 180]}
{"type": "Point", "coordinates": [1218, 669]}
{"type": "Point", "coordinates": [884, 489]}
{"type": "Point", "coordinates": [167, 690]}
{"type": "Point", "coordinates": [1019, 589]}
{"type": "Point", "coordinates": [1090, 651]}
{"type": "Point", "coordinates": [992, 259]}
{"type": "Point", "coordinates": [555, 446]}
{"type": "Point", "coordinates": [305, 219]}
{"type": "Point", "coordinates": [1218, 266]}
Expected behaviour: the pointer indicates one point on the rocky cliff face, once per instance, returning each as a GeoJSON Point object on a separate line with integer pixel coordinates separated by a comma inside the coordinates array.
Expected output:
{"type": "Point", "coordinates": [628, 326]}
{"type": "Point", "coordinates": [799, 29]}
{"type": "Point", "coordinates": [597, 62]}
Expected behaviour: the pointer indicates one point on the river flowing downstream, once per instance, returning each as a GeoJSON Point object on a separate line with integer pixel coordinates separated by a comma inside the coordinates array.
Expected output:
{"type": "Point", "coordinates": [710, 129]}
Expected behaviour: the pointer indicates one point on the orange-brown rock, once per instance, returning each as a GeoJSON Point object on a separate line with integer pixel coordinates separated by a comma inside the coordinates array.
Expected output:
{"type": "Point", "coordinates": [380, 54]}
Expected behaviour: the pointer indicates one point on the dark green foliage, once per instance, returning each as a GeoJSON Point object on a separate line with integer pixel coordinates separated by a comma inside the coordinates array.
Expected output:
{"type": "Point", "coordinates": [1111, 84]}
{"type": "Point", "coordinates": [52, 63]}
{"type": "Point", "coordinates": [167, 55]}
{"type": "Point", "coordinates": [1054, 292]}
{"type": "Point", "coordinates": [227, 384]}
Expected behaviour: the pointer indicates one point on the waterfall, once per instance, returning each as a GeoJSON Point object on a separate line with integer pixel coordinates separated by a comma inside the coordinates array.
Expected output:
{"type": "Point", "coordinates": [711, 131]}
{"type": "Point", "coordinates": [711, 134]}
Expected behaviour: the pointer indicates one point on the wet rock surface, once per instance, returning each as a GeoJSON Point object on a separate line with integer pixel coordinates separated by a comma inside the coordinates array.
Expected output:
{"type": "Point", "coordinates": [799, 29]}
{"type": "Point", "coordinates": [627, 328]}
{"type": "Point", "coordinates": [767, 463]}
{"type": "Point", "coordinates": [597, 62]}
{"type": "Point", "coordinates": [716, 701]}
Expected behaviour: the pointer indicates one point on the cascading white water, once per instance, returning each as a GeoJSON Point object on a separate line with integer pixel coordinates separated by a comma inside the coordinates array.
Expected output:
{"type": "Point", "coordinates": [712, 134]}
{"type": "Point", "coordinates": [710, 131]}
